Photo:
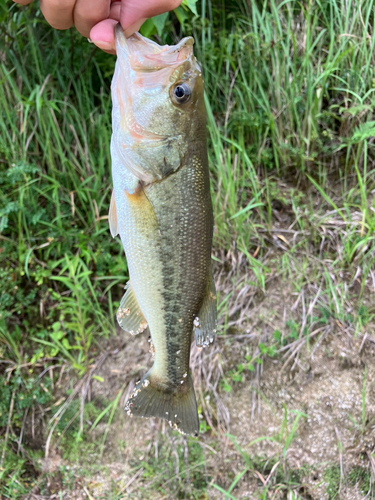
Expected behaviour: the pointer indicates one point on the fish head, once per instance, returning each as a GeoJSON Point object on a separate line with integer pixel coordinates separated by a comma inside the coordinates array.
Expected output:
{"type": "Point", "coordinates": [158, 102]}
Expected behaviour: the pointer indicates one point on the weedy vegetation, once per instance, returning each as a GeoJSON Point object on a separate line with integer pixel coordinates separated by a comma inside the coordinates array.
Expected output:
{"type": "Point", "coordinates": [286, 395]}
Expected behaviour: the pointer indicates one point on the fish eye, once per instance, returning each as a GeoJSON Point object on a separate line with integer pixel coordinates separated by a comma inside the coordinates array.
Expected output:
{"type": "Point", "coordinates": [181, 93]}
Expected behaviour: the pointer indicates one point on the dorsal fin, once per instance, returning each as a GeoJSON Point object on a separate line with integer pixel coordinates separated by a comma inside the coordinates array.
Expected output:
{"type": "Point", "coordinates": [112, 217]}
{"type": "Point", "coordinates": [129, 314]}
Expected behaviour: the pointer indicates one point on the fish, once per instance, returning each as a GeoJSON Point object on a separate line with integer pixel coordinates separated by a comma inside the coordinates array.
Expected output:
{"type": "Point", "coordinates": [161, 208]}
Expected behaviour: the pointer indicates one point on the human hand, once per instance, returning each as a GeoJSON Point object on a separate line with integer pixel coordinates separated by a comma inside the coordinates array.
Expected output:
{"type": "Point", "coordinates": [95, 19]}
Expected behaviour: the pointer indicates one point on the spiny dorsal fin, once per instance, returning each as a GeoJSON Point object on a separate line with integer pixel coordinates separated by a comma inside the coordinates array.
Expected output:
{"type": "Point", "coordinates": [205, 324]}
{"type": "Point", "coordinates": [129, 314]}
{"type": "Point", "coordinates": [112, 216]}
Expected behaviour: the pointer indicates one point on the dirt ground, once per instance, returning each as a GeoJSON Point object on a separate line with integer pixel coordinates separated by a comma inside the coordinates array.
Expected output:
{"type": "Point", "coordinates": [302, 422]}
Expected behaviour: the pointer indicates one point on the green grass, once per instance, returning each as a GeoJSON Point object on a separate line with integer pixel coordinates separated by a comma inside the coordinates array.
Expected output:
{"type": "Point", "coordinates": [290, 99]}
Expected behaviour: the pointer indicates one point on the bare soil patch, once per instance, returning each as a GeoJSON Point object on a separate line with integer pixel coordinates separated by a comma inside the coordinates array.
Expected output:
{"type": "Point", "coordinates": [328, 380]}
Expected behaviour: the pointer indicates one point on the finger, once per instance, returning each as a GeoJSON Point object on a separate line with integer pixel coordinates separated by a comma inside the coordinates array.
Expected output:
{"type": "Point", "coordinates": [103, 35]}
{"type": "Point", "coordinates": [87, 14]}
{"type": "Point", "coordinates": [114, 12]}
{"type": "Point", "coordinates": [134, 27]}
{"type": "Point", "coordinates": [132, 13]}
{"type": "Point", "coordinates": [22, 2]}
{"type": "Point", "coordinates": [58, 13]}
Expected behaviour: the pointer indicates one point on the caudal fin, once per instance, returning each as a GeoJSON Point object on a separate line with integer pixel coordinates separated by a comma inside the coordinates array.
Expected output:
{"type": "Point", "coordinates": [153, 399]}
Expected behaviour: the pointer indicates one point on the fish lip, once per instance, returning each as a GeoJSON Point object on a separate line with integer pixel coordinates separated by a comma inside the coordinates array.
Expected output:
{"type": "Point", "coordinates": [122, 41]}
{"type": "Point", "coordinates": [146, 55]}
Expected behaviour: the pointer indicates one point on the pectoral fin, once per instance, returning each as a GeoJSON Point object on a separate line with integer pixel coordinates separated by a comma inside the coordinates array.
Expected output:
{"type": "Point", "coordinates": [129, 314]}
{"type": "Point", "coordinates": [112, 216]}
{"type": "Point", "coordinates": [205, 324]}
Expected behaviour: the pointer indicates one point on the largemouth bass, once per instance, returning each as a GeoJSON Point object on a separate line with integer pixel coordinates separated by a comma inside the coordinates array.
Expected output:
{"type": "Point", "coordinates": [161, 208]}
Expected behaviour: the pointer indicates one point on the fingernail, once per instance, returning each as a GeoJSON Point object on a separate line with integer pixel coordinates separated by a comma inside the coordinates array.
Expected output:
{"type": "Point", "coordinates": [103, 45]}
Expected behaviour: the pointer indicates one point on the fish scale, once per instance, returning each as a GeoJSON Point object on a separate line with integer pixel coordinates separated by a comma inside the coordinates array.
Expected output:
{"type": "Point", "coordinates": [161, 208]}
{"type": "Point", "coordinates": [187, 273]}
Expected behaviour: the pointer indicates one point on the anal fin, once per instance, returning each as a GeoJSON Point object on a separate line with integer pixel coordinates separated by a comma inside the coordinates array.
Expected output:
{"type": "Point", "coordinates": [112, 216]}
{"type": "Point", "coordinates": [129, 314]}
{"type": "Point", "coordinates": [205, 324]}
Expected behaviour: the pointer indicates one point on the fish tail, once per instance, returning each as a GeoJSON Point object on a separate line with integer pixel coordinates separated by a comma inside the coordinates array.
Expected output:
{"type": "Point", "coordinates": [152, 398]}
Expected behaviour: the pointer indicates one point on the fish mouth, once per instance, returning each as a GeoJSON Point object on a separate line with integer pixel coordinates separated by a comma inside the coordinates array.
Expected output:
{"type": "Point", "coordinates": [145, 72]}
{"type": "Point", "coordinates": [146, 55]}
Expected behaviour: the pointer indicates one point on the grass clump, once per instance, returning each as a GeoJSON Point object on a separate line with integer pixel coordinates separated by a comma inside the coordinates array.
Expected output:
{"type": "Point", "coordinates": [20, 394]}
{"type": "Point", "coordinates": [273, 475]}
{"type": "Point", "coordinates": [53, 204]}
{"type": "Point", "coordinates": [361, 478]}
{"type": "Point", "coordinates": [358, 477]}
{"type": "Point", "coordinates": [182, 474]}
{"type": "Point", "coordinates": [332, 476]}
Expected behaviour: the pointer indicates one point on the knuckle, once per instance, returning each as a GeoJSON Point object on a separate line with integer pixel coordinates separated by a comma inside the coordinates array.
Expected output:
{"type": "Point", "coordinates": [59, 25]}
{"type": "Point", "coordinates": [58, 13]}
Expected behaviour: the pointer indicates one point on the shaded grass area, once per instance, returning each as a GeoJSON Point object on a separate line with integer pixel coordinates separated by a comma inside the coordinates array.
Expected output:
{"type": "Point", "coordinates": [289, 94]}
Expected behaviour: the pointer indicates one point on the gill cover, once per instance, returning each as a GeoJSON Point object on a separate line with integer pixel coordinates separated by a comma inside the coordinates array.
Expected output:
{"type": "Point", "coordinates": [150, 122]}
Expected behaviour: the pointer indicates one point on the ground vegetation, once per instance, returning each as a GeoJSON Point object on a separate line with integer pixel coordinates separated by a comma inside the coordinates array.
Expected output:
{"type": "Point", "coordinates": [286, 393]}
